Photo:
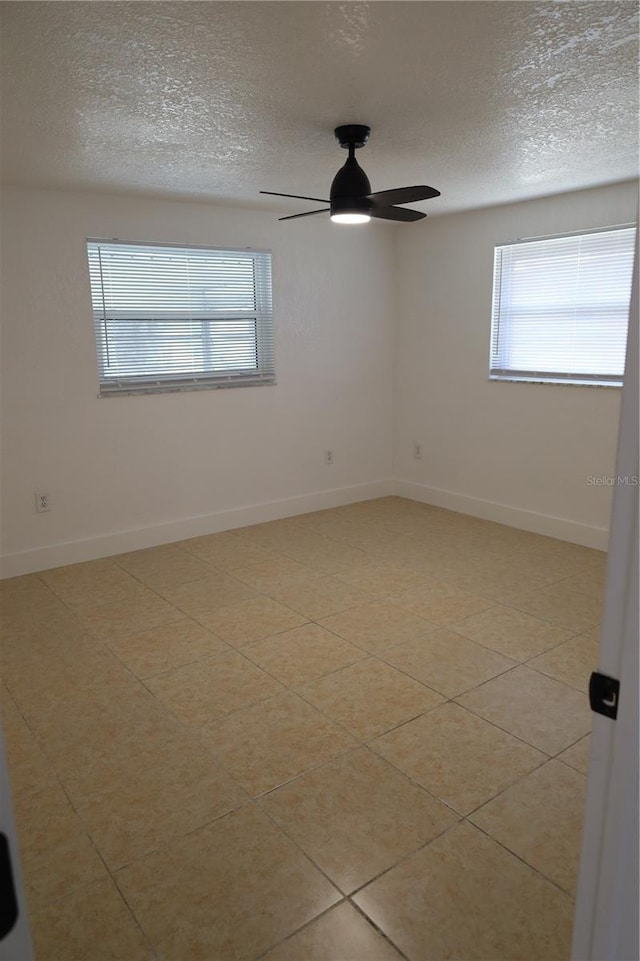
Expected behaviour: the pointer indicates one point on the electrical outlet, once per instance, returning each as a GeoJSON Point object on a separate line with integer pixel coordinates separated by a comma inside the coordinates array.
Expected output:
{"type": "Point", "coordinates": [43, 503]}
{"type": "Point", "coordinates": [417, 451]}
{"type": "Point", "coordinates": [328, 457]}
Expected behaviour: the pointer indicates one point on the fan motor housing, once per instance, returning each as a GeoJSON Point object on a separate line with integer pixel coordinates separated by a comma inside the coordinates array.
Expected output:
{"type": "Point", "coordinates": [350, 205]}
{"type": "Point", "coordinates": [350, 182]}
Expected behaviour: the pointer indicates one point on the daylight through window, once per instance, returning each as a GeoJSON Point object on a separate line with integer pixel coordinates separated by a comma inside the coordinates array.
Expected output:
{"type": "Point", "coordinates": [561, 308]}
{"type": "Point", "coordinates": [180, 318]}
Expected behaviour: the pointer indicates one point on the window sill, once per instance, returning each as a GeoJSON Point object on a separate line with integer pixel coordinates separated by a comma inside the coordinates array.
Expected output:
{"type": "Point", "coordinates": [181, 388]}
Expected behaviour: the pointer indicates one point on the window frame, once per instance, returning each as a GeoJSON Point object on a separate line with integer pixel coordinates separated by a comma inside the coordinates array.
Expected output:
{"type": "Point", "coordinates": [501, 317]}
{"type": "Point", "coordinates": [204, 379]}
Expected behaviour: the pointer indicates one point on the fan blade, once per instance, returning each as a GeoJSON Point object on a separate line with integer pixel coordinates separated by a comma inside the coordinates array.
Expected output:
{"type": "Point", "coordinates": [272, 193]}
{"type": "Point", "coordinates": [403, 195]}
{"type": "Point", "coordinates": [396, 213]}
{"type": "Point", "coordinates": [309, 213]}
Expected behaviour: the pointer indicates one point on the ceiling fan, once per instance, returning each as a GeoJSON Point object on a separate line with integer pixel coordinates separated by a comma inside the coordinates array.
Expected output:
{"type": "Point", "coordinates": [351, 200]}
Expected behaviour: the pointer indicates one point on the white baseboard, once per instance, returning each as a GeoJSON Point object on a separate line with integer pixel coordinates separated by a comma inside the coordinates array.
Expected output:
{"type": "Point", "coordinates": [564, 530]}
{"type": "Point", "coordinates": [73, 552]}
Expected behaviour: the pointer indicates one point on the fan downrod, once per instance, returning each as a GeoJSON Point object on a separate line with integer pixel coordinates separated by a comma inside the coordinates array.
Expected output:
{"type": "Point", "coordinates": [352, 135]}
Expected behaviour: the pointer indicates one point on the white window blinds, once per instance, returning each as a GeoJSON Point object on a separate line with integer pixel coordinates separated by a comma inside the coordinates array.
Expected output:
{"type": "Point", "coordinates": [561, 308]}
{"type": "Point", "coordinates": [180, 318]}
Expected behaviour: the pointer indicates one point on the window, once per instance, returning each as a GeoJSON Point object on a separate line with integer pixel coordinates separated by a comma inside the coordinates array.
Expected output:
{"type": "Point", "coordinates": [561, 308]}
{"type": "Point", "coordinates": [180, 318]}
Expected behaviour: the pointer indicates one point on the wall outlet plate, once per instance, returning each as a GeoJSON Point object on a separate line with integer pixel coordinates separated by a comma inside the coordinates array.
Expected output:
{"type": "Point", "coordinates": [43, 503]}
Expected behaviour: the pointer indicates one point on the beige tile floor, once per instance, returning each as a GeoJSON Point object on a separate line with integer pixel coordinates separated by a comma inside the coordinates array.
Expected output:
{"type": "Point", "coordinates": [354, 735]}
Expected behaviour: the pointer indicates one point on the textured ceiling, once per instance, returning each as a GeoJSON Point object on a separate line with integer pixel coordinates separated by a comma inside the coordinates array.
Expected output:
{"type": "Point", "coordinates": [488, 102]}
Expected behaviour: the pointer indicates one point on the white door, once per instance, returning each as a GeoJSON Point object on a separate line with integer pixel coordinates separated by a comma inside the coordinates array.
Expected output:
{"type": "Point", "coordinates": [606, 921]}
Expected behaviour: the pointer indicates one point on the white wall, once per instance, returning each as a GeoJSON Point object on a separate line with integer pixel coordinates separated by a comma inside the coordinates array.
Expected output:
{"type": "Point", "coordinates": [124, 473]}
{"type": "Point", "coordinates": [517, 453]}
{"type": "Point", "coordinates": [165, 466]}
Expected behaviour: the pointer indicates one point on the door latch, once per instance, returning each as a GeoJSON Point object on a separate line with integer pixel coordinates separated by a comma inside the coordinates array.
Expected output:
{"type": "Point", "coordinates": [604, 694]}
{"type": "Point", "coordinates": [8, 901]}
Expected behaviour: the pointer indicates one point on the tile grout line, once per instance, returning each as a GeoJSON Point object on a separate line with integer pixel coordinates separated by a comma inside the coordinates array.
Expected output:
{"type": "Point", "coordinates": [523, 860]}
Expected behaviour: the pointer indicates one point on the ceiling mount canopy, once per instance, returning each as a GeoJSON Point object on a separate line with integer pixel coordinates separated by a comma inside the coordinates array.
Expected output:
{"type": "Point", "coordinates": [350, 198]}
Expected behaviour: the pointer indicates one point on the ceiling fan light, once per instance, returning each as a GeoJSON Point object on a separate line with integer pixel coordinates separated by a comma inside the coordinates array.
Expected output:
{"type": "Point", "coordinates": [350, 218]}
